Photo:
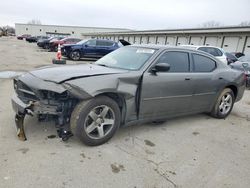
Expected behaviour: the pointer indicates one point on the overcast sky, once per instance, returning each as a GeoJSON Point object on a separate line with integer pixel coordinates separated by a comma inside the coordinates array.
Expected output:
{"type": "Point", "coordinates": [132, 14]}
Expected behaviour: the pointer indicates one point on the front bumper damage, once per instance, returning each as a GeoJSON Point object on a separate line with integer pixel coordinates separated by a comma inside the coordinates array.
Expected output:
{"type": "Point", "coordinates": [21, 110]}
{"type": "Point", "coordinates": [35, 107]}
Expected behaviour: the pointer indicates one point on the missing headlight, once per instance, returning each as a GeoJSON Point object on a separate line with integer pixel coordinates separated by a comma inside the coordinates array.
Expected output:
{"type": "Point", "coordinates": [50, 95]}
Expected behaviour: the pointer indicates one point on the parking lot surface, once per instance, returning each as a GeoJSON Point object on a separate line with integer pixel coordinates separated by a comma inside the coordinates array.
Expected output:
{"type": "Point", "coordinates": [191, 151]}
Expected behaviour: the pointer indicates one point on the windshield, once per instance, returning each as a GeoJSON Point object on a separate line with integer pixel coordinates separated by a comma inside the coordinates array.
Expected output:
{"type": "Point", "coordinates": [82, 41]}
{"type": "Point", "coordinates": [244, 58]}
{"type": "Point", "coordinates": [129, 58]}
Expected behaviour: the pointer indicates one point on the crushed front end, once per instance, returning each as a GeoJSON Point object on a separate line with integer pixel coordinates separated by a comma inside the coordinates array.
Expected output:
{"type": "Point", "coordinates": [44, 99]}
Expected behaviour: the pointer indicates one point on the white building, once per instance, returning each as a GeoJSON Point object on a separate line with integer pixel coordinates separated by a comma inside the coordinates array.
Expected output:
{"type": "Point", "coordinates": [231, 39]}
{"type": "Point", "coordinates": [59, 30]}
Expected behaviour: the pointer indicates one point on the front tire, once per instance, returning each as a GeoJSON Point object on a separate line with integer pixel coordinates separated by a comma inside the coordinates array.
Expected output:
{"type": "Point", "coordinates": [46, 46]}
{"type": "Point", "coordinates": [224, 104]}
{"type": "Point", "coordinates": [95, 121]}
{"type": "Point", "coordinates": [75, 55]}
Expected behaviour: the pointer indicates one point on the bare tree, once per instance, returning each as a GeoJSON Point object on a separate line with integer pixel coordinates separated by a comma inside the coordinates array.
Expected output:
{"type": "Point", "coordinates": [211, 23]}
{"type": "Point", "coordinates": [35, 21]}
{"type": "Point", "coordinates": [4, 31]}
{"type": "Point", "coordinates": [7, 30]}
{"type": "Point", "coordinates": [245, 23]}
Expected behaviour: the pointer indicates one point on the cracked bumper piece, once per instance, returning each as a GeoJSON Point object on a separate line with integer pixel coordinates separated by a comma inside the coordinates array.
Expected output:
{"type": "Point", "coordinates": [21, 109]}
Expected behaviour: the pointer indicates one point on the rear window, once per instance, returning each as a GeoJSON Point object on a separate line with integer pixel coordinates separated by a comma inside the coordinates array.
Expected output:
{"type": "Point", "coordinates": [213, 51]}
{"type": "Point", "coordinates": [203, 64]}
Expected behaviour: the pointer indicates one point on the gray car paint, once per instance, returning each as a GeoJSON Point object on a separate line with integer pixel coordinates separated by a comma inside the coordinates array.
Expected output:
{"type": "Point", "coordinates": [144, 96]}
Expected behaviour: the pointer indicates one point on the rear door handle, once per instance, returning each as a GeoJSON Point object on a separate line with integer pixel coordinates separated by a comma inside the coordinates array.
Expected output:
{"type": "Point", "coordinates": [187, 78]}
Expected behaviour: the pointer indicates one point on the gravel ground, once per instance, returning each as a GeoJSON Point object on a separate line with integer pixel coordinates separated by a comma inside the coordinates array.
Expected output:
{"type": "Point", "coordinates": [193, 151]}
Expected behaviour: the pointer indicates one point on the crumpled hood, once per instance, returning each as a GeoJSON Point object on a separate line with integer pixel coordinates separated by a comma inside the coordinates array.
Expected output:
{"type": "Point", "coordinates": [59, 74]}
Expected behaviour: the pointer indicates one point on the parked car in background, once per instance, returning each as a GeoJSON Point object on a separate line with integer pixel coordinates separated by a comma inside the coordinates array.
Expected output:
{"type": "Point", "coordinates": [92, 48]}
{"type": "Point", "coordinates": [44, 43]}
{"type": "Point", "coordinates": [139, 83]}
{"type": "Point", "coordinates": [215, 51]}
{"type": "Point", "coordinates": [237, 54]}
{"type": "Point", "coordinates": [245, 58]}
{"type": "Point", "coordinates": [231, 58]}
{"type": "Point", "coordinates": [24, 36]}
{"type": "Point", "coordinates": [68, 40]}
{"type": "Point", "coordinates": [35, 38]}
{"type": "Point", "coordinates": [243, 67]}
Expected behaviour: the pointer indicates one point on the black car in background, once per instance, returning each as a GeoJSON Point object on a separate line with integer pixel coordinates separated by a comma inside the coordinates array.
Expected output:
{"type": "Point", "coordinates": [237, 54]}
{"type": "Point", "coordinates": [95, 48]}
{"type": "Point", "coordinates": [231, 58]}
{"type": "Point", "coordinates": [45, 43]}
{"type": "Point", "coordinates": [35, 38]}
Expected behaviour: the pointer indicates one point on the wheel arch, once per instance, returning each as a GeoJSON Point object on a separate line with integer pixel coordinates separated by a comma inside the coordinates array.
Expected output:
{"type": "Point", "coordinates": [234, 89]}
{"type": "Point", "coordinates": [119, 98]}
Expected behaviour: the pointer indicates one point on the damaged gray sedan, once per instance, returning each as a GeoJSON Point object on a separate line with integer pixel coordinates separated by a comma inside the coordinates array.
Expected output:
{"type": "Point", "coordinates": [131, 85]}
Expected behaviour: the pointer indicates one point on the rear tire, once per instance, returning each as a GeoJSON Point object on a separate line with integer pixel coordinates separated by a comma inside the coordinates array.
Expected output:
{"type": "Point", "coordinates": [224, 104]}
{"type": "Point", "coordinates": [95, 121]}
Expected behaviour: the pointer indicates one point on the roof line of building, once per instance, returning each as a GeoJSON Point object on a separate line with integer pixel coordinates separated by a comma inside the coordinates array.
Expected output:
{"type": "Point", "coordinates": [183, 31]}
{"type": "Point", "coordinates": [73, 26]}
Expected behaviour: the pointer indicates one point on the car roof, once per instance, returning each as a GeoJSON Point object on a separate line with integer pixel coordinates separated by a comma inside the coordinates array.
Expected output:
{"type": "Point", "coordinates": [157, 47]}
{"type": "Point", "coordinates": [198, 46]}
{"type": "Point", "coordinates": [169, 47]}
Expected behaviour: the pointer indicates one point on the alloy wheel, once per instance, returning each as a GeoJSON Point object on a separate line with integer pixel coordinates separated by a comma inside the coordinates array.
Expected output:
{"type": "Point", "coordinates": [226, 103]}
{"type": "Point", "coordinates": [99, 122]}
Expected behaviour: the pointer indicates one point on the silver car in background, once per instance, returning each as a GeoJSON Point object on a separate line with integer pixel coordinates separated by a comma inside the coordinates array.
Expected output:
{"type": "Point", "coordinates": [219, 53]}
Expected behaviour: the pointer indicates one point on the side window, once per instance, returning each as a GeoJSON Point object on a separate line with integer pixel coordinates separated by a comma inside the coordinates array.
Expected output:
{"type": "Point", "coordinates": [178, 61]}
{"type": "Point", "coordinates": [213, 51]}
{"type": "Point", "coordinates": [109, 43]}
{"type": "Point", "coordinates": [218, 52]}
{"type": "Point", "coordinates": [100, 43]}
{"type": "Point", "coordinates": [203, 64]}
{"type": "Point", "coordinates": [91, 42]}
{"type": "Point", "coordinates": [104, 43]}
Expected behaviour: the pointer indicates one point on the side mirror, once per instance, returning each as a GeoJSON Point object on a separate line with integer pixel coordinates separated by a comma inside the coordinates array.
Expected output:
{"type": "Point", "coordinates": [86, 45]}
{"type": "Point", "coordinates": [161, 67]}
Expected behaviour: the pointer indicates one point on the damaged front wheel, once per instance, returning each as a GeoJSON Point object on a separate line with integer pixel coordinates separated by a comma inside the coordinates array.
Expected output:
{"type": "Point", "coordinates": [95, 121]}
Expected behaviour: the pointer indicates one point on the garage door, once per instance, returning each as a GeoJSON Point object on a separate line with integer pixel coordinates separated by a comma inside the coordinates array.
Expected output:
{"type": "Point", "coordinates": [152, 40]}
{"type": "Point", "coordinates": [161, 40]}
{"type": "Point", "coordinates": [247, 47]}
{"type": "Point", "coordinates": [211, 41]}
{"type": "Point", "coordinates": [126, 38]}
{"type": "Point", "coordinates": [170, 41]}
{"type": "Point", "coordinates": [137, 39]}
{"type": "Point", "coordinates": [144, 40]}
{"type": "Point", "coordinates": [231, 44]}
{"type": "Point", "coordinates": [131, 39]}
{"type": "Point", "coordinates": [196, 41]}
{"type": "Point", "coordinates": [182, 40]}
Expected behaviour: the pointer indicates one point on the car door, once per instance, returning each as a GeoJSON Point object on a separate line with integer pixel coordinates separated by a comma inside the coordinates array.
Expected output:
{"type": "Point", "coordinates": [165, 94]}
{"type": "Point", "coordinates": [89, 48]}
{"type": "Point", "coordinates": [104, 47]}
{"type": "Point", "coordinates": [206, 80]}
